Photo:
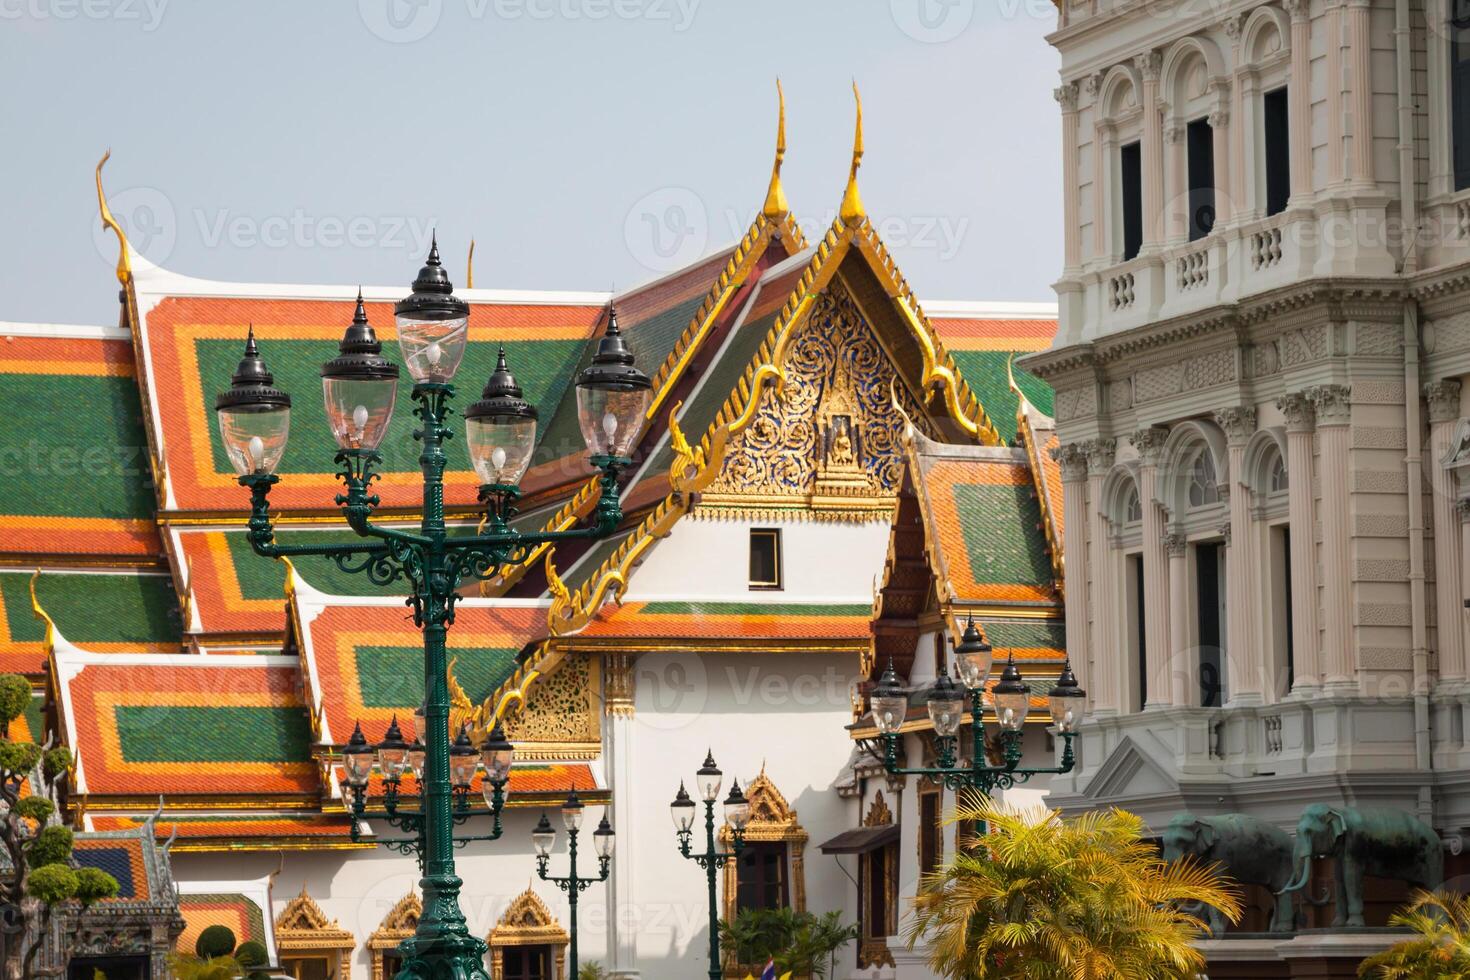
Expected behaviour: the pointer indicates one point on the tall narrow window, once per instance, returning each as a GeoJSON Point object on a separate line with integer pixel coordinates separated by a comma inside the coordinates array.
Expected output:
{"type": "Point", "coordinates": [1209, 586]}
{"type": "Point", "coordinates": [1460, 92]}
{"type": "Point", "coordinates": [931, 833]}
{"type": "Point", "coordinates": [1130, 173]}
{"type": "Point", "coordinates": [761, 881]}
{"type": "Point", "coordinates": [765, 558]}
{"type": "Point", "coordinates": [1281, 606]}
{"type": "Point", "coordinates": [1200, 147]}
{"type": "Point", "coordinates": [1136, 632]}
{"type": "Point", "coordinates": [1277, 138]}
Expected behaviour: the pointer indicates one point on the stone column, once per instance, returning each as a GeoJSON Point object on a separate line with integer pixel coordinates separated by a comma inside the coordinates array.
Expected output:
{"type": "Point", "coordinates": [1332, 72]}
{"type": "Point", "coordinates": [1225, 201]}
{"type": "Point", "coordinates": [1150, 445]}
{"type": "Point", "coordinates": [1066, 96]}
{"type": "Point", "coordinates": [1181, 669]}
{"type": "Point", "coordinates": [622, 910]}
{"type": "Point", "coordinates": [1152, 151]}
{"type": "Point", "coordinates": [1334, 433]}
{"type": "Point", "coordinates": [1246, 670]}
{"type": "Point", "coordinates": [1302, 519]}
{"type": "Point", "coordinates": [1299, 100]}
{"type": "Point", "coordinates": [1176, 194]}
{"type": "Point", "coordinates": [1444, 411]}
{"type": "Point", "coordinates": [1104, 138]}
{"type": "Point", "coordinates": [1106, 694]}
{"type": "Point", "coordinates": [1244, 123]}
{"type": "Point", "coordinates": [1360, 87]}
{"type": "Point", "coordinates": [1073, 460]}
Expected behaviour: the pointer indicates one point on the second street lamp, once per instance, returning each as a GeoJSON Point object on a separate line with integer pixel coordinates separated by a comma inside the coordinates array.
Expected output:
{"type": "Point", "coordinates": [1011, 700]}
{"type": "Point", "coordinates": [359, 388]}
{"type": "Point", "coordinates": [737, 813]}
{"type": "Point", "coordinates": [544, 836]}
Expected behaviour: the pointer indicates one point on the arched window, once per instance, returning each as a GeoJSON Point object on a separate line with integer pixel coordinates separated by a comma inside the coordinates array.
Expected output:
{"type": "Point", "coordinates": [1203, 487]}
{"type": "Point", "coordinates": [1277, 480]}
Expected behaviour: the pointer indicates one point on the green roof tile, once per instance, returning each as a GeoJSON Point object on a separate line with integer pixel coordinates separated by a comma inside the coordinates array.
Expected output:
{"type": "Point", "coordinates": [117, 608]}
{"type": "Point", "coordinates": [985, 372]}
{"type": "Point", "coordinates": [1002, 529]}
{"type": "Point", "coordinates": [216, 733]}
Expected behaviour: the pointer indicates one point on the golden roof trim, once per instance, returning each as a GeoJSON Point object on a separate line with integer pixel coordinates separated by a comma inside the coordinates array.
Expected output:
{"type": "Point", "coordinates": [124, 264]}
{"type": "Point", "coordinates": [775, 205]}
{"type": "Point", "coordinates": [852, 202]}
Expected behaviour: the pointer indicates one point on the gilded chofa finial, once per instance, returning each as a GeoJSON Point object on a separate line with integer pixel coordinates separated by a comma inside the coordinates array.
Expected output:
{"type": "Point", "coordinates": [124, 266]}
{"type": "Point", "coordinates": [852, 201]}
{"type": "Point", "coordinates": [469, 272]}
{"type": "Point", "coordinates": [775, 205]}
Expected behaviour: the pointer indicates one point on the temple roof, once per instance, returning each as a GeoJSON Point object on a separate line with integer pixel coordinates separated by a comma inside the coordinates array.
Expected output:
{"type": "Point", "coordinates": [133, 611]}
{"type": "Point", "coordinates": [242, 906]}
{"type": "Point", "coordinates": [812, 625]}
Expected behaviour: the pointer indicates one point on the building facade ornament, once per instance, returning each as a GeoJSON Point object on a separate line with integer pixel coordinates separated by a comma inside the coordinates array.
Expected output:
{"type": "Point", "coordinates": [1297, 407]}
{"type": "Point", "coordinates": [1148, 64]}
{"type": "Point", "coordinates": [1462, 507]}
{"type": "Point", "coordinates": [1092, 84]}
{"type": "Point", "coordinates": [1072, 457]}
{"type": "Point", "coordinates": [1066, 96]}
{"type": "Point", "coordinates": [1149, 442]}
{"type": "Point", "coordinates": [1332, 404]}
{"type": "Point", "coordinates": [1239, 423]}
{"type": "Point", "coordinates": [618, 683]}
{"type": "Point", "coordinates": [1225, 532]}
{"type": "Point", "coordinates": [1175, 544]}
{"type": "Point", "coordinates": [1444, 400]}
{"type": "Point", "coordinates": [1296, 8]}
{"type": "Point", "coordinates": [1100, 455]}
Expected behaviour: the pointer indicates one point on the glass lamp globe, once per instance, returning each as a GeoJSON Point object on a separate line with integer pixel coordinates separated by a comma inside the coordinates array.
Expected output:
{"type": "Point", "coordinates": [682, 810]}
{"type": "Point", "coordinates": [357, 758]}
{"type": "Point", "coordinates": [571, 812]}
{"type": "Point", "coordinates": [464, 760]}
{"type": "Point", "coordinates": [708, 778]}
{"type": "Point", "coordinates": [1011, 696]}
{"type": "Point", "coordinates": [737, 807]}
{"type": "Point", "coordinates": [543, 835]}
{"type": "Point", "coordinates": [602, 838]}
{"type": "Point", "coordinates": [500, 429]}
{"type": "Point", "coordinates": [612, 395]}
{"type": "Point", "coordinates": [973, 658]}
{"type": "Point", "coordinates": [946, 703]}
{"type": "Point", "coordinates": [393, 751]}
{"type": "Point", "coordinates": [359, 386]}
{"type": "Point", "coordinates": [498, 755]}
{"type": "Point", "coordinates": [890, 703]}
{"type": "Point", "coordinates": [433, 324]}
{"type": "Point", "coordinates": [1066, 701]}
{"type": "Point", "coordinates": [254, 416]}
{"type": "Point", "coordinates": [418, 754]}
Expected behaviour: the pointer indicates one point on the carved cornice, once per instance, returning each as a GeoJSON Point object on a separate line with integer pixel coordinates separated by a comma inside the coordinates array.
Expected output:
{"type": "Point", "coordinates": [1224, 530]}
{"type": "Point", "coordinates": [1444, 400]}
{"type": "Point", "coordinates": [1332, 404]}
{"type": "Point", "coordinates": [1297, 407]}
{"type": "Point", "coordinates": [1239, 423]}
{"type": "Point", "coordinates": [1150, 443]}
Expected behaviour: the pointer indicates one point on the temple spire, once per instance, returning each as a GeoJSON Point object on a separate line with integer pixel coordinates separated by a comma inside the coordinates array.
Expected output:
{"type": "Point", "coordinates": [852, 201]}
{"type": "Point", "coordinates": [775, 205]}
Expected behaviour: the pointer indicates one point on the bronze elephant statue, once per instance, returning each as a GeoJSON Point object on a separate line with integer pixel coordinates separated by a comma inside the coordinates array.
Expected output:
{"type": "Point", "coordinates": [1247, 849]}
{"type": "Point", "coordinates": [1369, 841]}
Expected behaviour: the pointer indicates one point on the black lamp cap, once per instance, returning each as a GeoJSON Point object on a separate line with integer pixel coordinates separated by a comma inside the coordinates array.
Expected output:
{"type": "Point", "coordinates": [462, 744]}
{"type": "Point", "coordinates": [1010, 679]}
{"type": "Point", "coordinates": [709, 768]}
{"type": "Point", "coordinates": [604, 829]}
{"type": "Point", "coordinates": [497, 740]}
{"type": "Point", "coordinates": [543, 826]}
{"type": "Point", "coordinates": [358, 743]}
{"type": "Point", "coordinates": [573, 802]}
{"type": "Point", "coordinates": [945, 689]}
{"type": "Point", "coordinates": [735, 795]}
{"type": "Point", "coordinates": [971, 641]}
{"type": "Point", "coordinates": [393, 737]}
{"type": "Point", "coordinates": [612, 366]}
{"type": "Point", "coordinates": [502, 397]}
{"type": "Point", "coordinates": [433, 294]}
{"type": "Point", "coordinates": [682, 797]}
{"type": "Point", "coordinates": [1066, 685]}
{"type": "Point", "coordinates": [361, 357]}
{"type": "Point", "coordinates": [252, 386]}
{"type": "Point", "coordinates": [888, 683]}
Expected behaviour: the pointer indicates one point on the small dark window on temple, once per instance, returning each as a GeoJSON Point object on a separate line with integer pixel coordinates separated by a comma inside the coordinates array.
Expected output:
{"type": "Point", "coordinates": [761, 880]}
{"type": "Point", "coordinates": [931, 833]}
{"type": "Point", "coordinates": [1277, 133]}
{"type": "Point", "coordinates": [765, 558]}
{"type": "Point", "coordinates": [1130, 173]}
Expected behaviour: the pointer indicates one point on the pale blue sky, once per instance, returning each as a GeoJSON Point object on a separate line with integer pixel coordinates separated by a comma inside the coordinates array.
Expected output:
{"type": "Point", "coordinates": [583, 143]}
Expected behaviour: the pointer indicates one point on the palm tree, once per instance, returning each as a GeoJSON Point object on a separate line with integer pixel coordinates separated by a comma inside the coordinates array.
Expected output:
{"type": "Point", "coordinates": [1042, 898]}
{"type": "Point", "coordinates": [1440, 947]}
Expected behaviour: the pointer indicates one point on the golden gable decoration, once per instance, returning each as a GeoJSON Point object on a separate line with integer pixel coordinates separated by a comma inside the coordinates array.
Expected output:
{"type": "Point", "coordinates": [527, 922]}
{"type": "Point", "coordinates": [303, 930]}
{"type": "Point", "coordinates": [563, 718]}
{"type": "Point", "coordinates": [399, 924]}
{"type": "Point", "coordinates": [772, 820]}
{"type": "Point", "coordinates": [830, 439]}
{"type": "Point", "coordinates": [878, 813]}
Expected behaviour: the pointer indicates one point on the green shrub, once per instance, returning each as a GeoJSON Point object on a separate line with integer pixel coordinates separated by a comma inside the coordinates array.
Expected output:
{"type": "Point", "coordinates": [51, 846]}
{"type": "Point", "coordinates": [36, 808]}
{"type": "Point", "coordinates": [52, 883]}
{"type": "Point", "coordinates": [252, 954]}
{"type": "Point", "coordinates": [94, 884]}
{"type": "Point", "coordinates": [215, 941]}
{"type": "Point", "coordinates": [15, 696]}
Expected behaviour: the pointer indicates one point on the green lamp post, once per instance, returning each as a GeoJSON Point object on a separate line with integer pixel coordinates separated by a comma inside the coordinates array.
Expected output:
{"type": "Point", "coordinates": [737, 811]}
{"type": "Point", "coordinates": [359, 388]}
{"type": "Point", "coordinates": [945, 702]}
{"type": "Point", "coordinates": [544, 836]}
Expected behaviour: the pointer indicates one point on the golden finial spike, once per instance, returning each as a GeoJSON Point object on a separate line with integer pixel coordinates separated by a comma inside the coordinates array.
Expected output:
{"type": "Point", "coordinates": [469, 272]}
{"type": "Point", "coordinates": [775, 205]}
{"type": "Point", "coordinates": [852, 201]}
{"type": "Point", "coordinates": [1022, 402]}
{"type": "Point", "coordinates": [124, 265]}
{"type": "Point", "coordinates": [41, 614]}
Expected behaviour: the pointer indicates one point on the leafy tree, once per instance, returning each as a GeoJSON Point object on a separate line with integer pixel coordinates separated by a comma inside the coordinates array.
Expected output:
{"type": "Point", "coordinates": [1439, 948]}
{"type": "Point", "coordinates": [41, 877]}
{"type": "Point", "coordinates": [1043, 898]}
{"type": "Point", "coordinates": [214, 941]}
{"type": "Point", "coordinates": [800, 942]}
{"type": "Point", "coordinates": [184, 967]}
{"type": "Point", "coordinates": [591, 971]}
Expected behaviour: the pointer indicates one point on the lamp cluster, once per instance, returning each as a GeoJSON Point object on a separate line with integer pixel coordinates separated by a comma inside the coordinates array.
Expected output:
{"type": "Point", "coordinates": [395, 756]}
{"type": "Point", "coordinates": [707, 779]}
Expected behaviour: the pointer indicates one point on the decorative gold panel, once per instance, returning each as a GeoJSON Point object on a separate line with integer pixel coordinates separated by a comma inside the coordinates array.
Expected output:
{"type": "Point", "coordinates": [565, 706]}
